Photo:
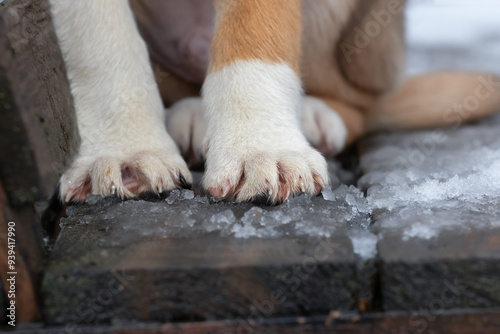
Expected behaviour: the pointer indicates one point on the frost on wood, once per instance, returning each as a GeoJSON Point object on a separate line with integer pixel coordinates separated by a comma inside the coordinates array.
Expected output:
{"type": "Point", "coordinates": [415, 188]}
{"type": "Point", "coordinates": [422, 186]}
{"type": "Point", "coordinates": [184, 215]}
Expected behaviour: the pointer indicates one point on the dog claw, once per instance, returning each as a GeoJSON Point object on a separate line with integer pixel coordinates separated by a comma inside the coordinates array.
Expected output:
{"type": "Point", "coordinates": [183, 182]}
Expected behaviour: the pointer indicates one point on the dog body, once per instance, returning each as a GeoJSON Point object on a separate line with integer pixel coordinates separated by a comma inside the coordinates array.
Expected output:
{"type": "Point", "coordinates": [351, 67]}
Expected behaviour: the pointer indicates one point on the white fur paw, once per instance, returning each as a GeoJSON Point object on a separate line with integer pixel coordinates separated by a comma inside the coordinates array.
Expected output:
{"type": "Point", "coordinates": [323, 127]}
{"type": "Point", "coordinates": [276, 174]}
{"type": "Point", "coordinates": [187, 127]}
{"type": "Point", "coordinates": [126, 177]}
{"type": "Point", "coordinates": [253, 144]}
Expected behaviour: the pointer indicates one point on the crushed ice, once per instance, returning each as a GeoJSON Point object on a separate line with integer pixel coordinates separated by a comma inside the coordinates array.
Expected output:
{"type": "Point", "coordinates": [423, 188]}
{"type": "Point", "coordinates": [185, 215]}
{"type": "Point", "coordinates": [454, 185]}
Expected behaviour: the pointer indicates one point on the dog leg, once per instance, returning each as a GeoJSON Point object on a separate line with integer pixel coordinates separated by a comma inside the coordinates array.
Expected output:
{"type": "Point", "coordinates": [125, 149]}
{"type": "Point", "coordinates": [252, 97]}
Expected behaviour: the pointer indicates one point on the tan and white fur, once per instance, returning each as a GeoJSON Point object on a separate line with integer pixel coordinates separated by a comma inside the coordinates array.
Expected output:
{"type": "Point", "coordinates": [254, 109]}
{"type": "Point", "coordinates": [352, 90]}
{"type": "Point", "coordinates": [253, 144]}
{"type": "Point", "coordinates": [252, 103]}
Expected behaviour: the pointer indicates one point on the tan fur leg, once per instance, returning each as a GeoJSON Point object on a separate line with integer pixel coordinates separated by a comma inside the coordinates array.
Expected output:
{"type": "Point", "coordinates": [439, 99]}
{"type": "Point", "coordinates": [371, 50]}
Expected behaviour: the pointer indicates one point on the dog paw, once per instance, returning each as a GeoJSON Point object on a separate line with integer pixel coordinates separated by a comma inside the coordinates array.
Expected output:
{"type": "Point", "coordinates": [323, 127]}
{"type": "Point", "coordinates": [253, 144]}
{"type": "Point", "coordinates": [187, 127]}
{"type": "Point", "coordinates": [124, 176]}
{"type": "Point", "coordinates": [276, 174]}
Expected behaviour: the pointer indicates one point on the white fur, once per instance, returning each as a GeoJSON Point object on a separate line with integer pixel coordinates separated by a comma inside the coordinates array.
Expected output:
{"type": "Point", "coordinates": [118, 106]}
{"type": "Point", "coordinates": [322, 126]}
{"type": "Point", "coordinates": [186, 125]}
{"type": "Point", "coordinates": [252, 112]}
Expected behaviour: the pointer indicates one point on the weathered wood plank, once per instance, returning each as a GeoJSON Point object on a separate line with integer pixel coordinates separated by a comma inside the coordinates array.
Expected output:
{"type": "Point", "coordinates": [38, 130]}
{"type": "Point", "coordinates": [28, 261]}
{"type": "Point", "coordinates": [148, 261]}
{"type": "Point", "coordinates": [37, 137]}
{"type": "Point", "coordinates": [483, 321]}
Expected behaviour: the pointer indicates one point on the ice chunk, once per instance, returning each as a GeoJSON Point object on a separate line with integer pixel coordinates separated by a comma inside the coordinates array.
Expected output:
{"type": "Point", "coordinates": [187, 194]}
{"type": "Point", "coordinates": [174, 196]}
{"type": "Point", "coordinates": [253, 216]}
{"type": "Point", "coordinates": [305, 227]}
{"type": "Point", "coordinates": [187, 212]}
{"type": "Point", "coordinates": [339, 193]}
{"type": "Point", "coordinates": [356, 199]}
{"type": "Point", "coordinates": [277, 216]}
{"type": "Point", "coordinates": [364, 244]}
{"type": "Point", "coordinates": [243, 231]}
{"type": "Point", "coordinates": [419, 230]}
{"type": "Point", "coordinates": [219, 221]}
{"type": "Point", "coordinates": [202, 200]}
{"type": "Point", "coordinates": [179, 195]}
{"type": "Point", "coordinates": [190, 222]}
{"type": "Point", "coordinates": [328, 194]}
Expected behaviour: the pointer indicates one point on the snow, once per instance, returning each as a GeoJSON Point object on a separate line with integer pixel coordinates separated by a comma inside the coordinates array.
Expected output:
{"type": "Point", "coordinates": [453, 186]}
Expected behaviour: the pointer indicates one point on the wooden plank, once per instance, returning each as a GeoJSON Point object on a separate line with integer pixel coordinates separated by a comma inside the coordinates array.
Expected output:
{"type": "Point", "coordinates": [28, 252]}
{"type": "Point", "coordinates": [38, 130]}
{"type": "Point", "coordinates": [484, 322]}
{"type": "Point", "coordinates": [455, 270]}
{"type": "Point", "coordinates": [37, 138]}
{"type": "Point", "coordinates": [116, 261]}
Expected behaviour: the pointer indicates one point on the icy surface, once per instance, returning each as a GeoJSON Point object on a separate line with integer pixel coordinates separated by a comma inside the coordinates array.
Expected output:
{"type": "Point", "coordinates": [424, 187]}
{"type": "Point", "coordinates": [183, 214]}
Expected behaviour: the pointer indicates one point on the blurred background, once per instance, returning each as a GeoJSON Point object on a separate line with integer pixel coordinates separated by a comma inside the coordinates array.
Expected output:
{"type": "Point", "coordinates": [453, 34]}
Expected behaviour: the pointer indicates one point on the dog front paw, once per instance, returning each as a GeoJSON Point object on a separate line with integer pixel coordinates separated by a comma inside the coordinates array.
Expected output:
{"type": "Point", "coordinates": [254, 145]}
{"type": "Point", "coordinates": [125, 176]}
{"type": "Point", "coordinates": [245, 174]}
